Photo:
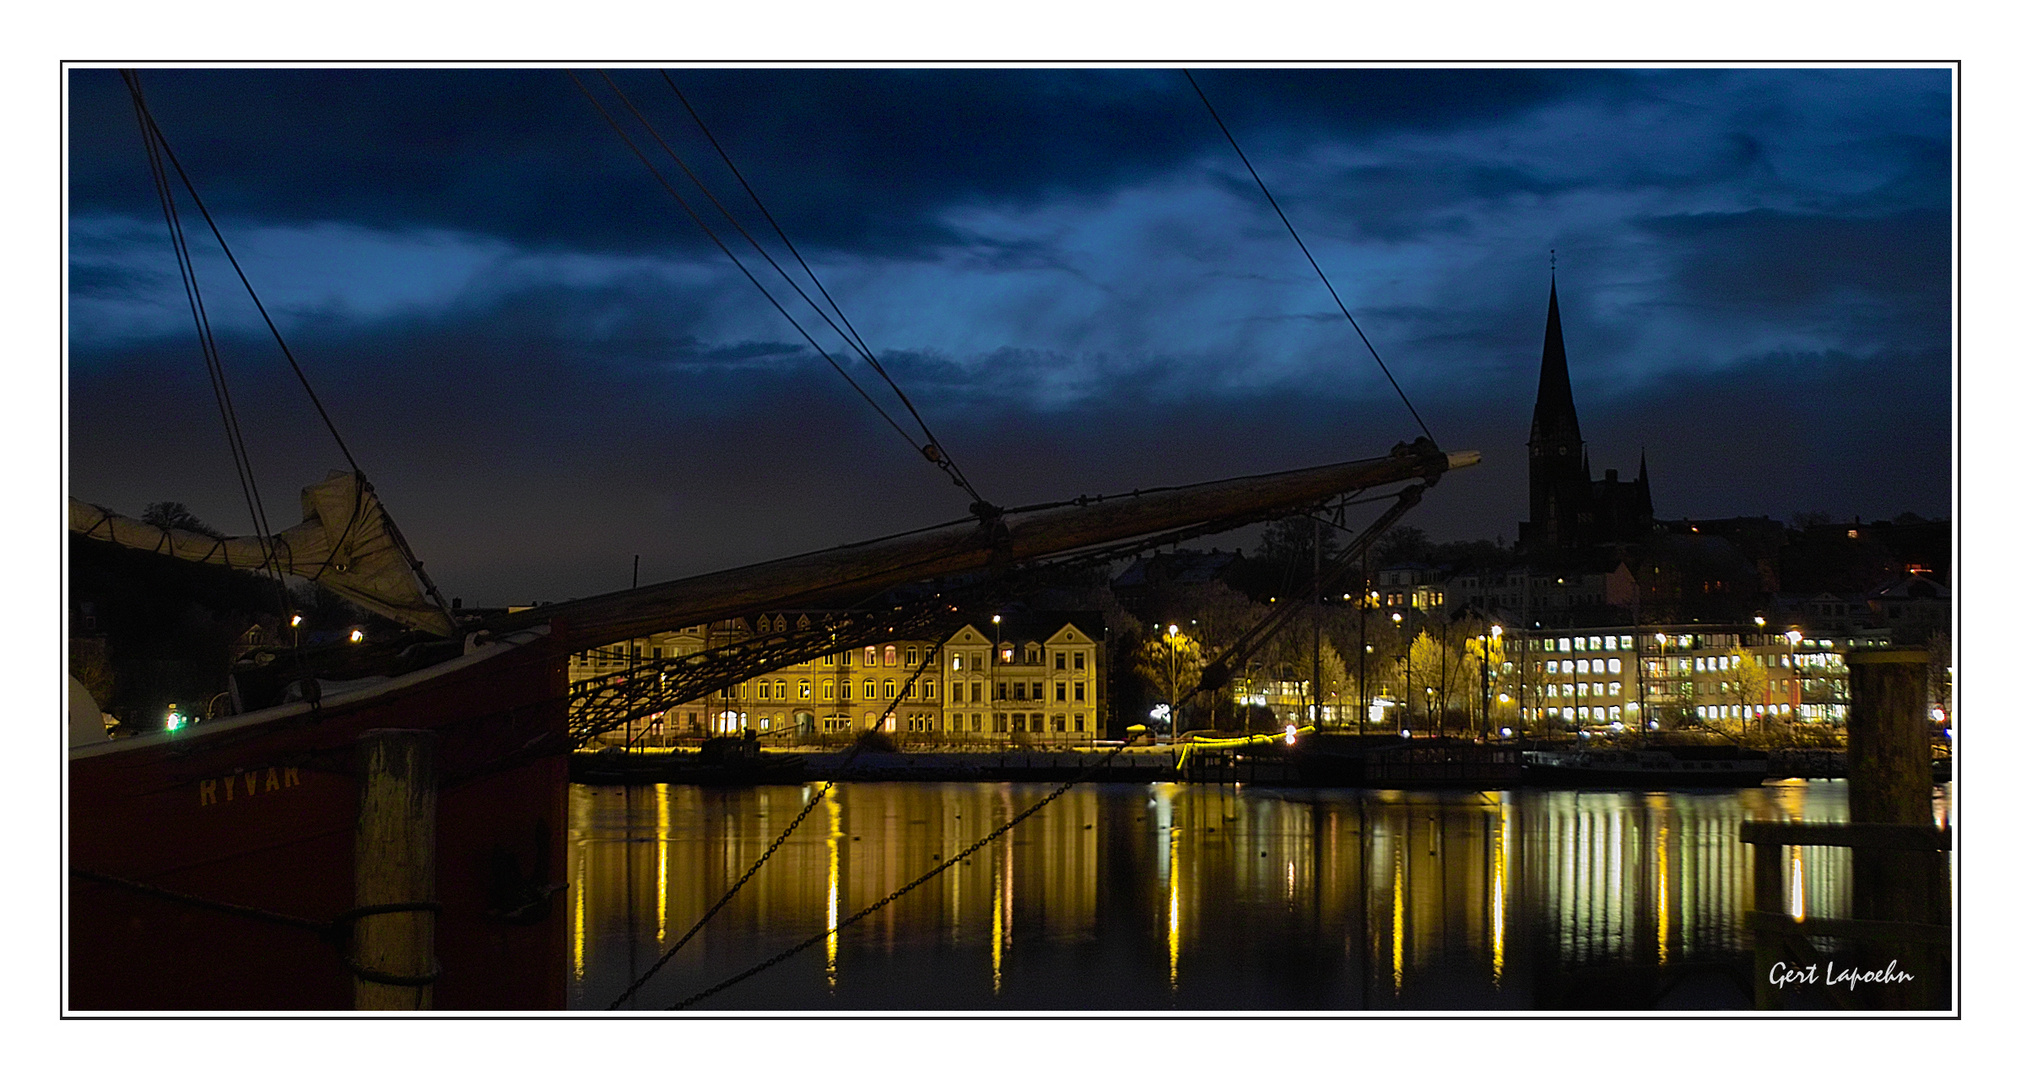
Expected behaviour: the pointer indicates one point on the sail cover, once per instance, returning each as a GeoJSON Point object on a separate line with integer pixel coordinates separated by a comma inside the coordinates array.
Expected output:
{"type": "Point", "coordinates": [345, 543]}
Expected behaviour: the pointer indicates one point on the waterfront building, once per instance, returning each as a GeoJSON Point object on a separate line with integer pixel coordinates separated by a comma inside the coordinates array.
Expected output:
{"type": "Point", "coordinates": [1658, 677]}
{"type": "Point", "coordinates": [1019, 678]}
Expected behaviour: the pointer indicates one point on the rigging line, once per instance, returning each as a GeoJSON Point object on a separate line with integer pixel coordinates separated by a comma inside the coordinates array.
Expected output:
{"type": "Point", "coordinates": [1308, 254]}
{"type": "Point", "coordinates": [697, 218]}
{"type": "Point", "coordinates": [945, 462]}
{"type": "Point", "coordinates": [213, 360]}
{"type": "Point", "coordinates": [827, 787]}
{"type": "Point", "coordinates": [300, 375]}
{"type": "Point", "coordinates": [915, 883]}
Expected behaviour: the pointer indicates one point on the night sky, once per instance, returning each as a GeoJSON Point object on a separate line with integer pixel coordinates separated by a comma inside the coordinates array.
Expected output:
{"type": "Point", "coordinates": [546, 367]}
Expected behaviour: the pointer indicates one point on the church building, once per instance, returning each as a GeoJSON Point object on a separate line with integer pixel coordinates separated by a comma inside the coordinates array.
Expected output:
{"type": "Point", "coordinates": [1570, 512]}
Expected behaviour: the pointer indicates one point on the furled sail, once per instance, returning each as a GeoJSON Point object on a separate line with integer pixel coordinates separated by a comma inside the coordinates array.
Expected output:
{"type": "Point", "coordinates": [345, 543]}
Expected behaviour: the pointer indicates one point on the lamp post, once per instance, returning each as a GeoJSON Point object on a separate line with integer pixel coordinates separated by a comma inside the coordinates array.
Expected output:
{"type": "Point", "coordinates": [1172, 678]}
{"type": "Point", "coordinates": [1396, 618]}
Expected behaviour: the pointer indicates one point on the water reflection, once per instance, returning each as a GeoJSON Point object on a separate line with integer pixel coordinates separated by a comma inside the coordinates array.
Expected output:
{"type": "Point", "coordinates": [1197, 897]}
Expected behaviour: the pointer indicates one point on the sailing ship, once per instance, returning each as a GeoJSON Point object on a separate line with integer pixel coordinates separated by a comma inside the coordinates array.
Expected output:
{"type": "Point", "coordinates": [213, 866]}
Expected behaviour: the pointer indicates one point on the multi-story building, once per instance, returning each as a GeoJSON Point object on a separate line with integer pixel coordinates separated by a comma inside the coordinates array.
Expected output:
{"type": "Point", "coordinates": [1019, 677]}
{"type": "Point", "coordinates": [1642, 676]}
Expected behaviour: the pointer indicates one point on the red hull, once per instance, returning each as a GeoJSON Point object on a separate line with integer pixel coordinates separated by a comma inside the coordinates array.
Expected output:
{"type": "Point", "coordinates": [260, 811]}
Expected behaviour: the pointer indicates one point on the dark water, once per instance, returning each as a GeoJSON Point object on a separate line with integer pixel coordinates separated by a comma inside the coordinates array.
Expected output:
{"type": "Point", "coordinates": [1169, 896]}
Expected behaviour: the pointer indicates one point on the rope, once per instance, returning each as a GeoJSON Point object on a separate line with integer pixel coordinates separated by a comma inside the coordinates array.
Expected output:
{"type": "Point", "coordinates": [148, 118]}
{"type": "Point", "coordinates": [934, 450]}
{"type": "Point", "coordinates": [828, 786]}
{"type": "Point", "coordinates": [699, 223]}
{"type": "Point", "coordinates": [332, 932]}
{"type": "Point", "coordinates": [1308, 254]}
{"type": "Point", "coordinates": [157, 147]}
{"type": "Point", "coordinates": [908, 887]}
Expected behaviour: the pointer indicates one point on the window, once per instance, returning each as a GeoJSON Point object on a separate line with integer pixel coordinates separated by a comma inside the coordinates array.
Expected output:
{"type": "Point", "coordinates": [1018, 692]}
{"type": "Point", "coordinates": [869, 689]}
{"type": "Point", "coordinates": [870, 656]}
{"type": "Point", "coordinates": [1080, 661]}
{"type": "Point", "coordinates": [1017, 721]}
{"type": "Point", "coordinates": [975, 692]}
{"type": "Point", "coordinates": [1585, 667]}
{"type": "Point", "coordinates": [912, 656]}
{"type": "Point", "coordinates": [957, 661]}
{"type": "Point", "coordinates": [1059, 691]}
{"type": "Point", "coordinates": [1613, 689]}
{"type": "Point", "coordinates": [1080, 721]}
{"type": "Point", "coordinates": [845, 689]}
{"type": "Point", "coordinates": [764, 690]}
{"type": "Point", "coordinates": [1613, 665]}
{"type": "Point", "coordinates": [1551, 666]}
{"type": "Point", "coordinates": [1059, 661]}
{"type": "Point", "coordinates": [891, 656]}
{"type": "Point", "coordinates": [806, 691]}
{"type": "Point", "coordinates": [827, 661]}
{"type": "Point", "coordinates": [1610, 642]}
{"type": "Point", "coordinates": [1003, 691]}
{"type": "Point", "coordinates": [1564, 644]}
{"type": "Point", "coordinates": [954, 692]}
{"type": "Point", "coordinates": [927, 690]}
{"type": "Point", "coordinates": [890, 690]}
{"type": "Point", "coordinates": [1060, 722]}
{"type": "Point", "coordinates": [1080, 693]}
{"type": "Point", "coordinates": [828, 690]}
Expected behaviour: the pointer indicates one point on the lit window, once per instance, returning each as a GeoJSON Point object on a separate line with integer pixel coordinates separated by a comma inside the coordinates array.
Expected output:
{"type": "Point", "coordinates": [870, 656]}
{"type": "Point", "coordinates": [1610, 641]}
{"type": "Point", "coordinates": [957, 661]}
{"type": "Point", "coordinates": [891, 656]}
{"type": "Point", "coordinates": [1551, 666]}
{"type": "Point", "coordinates": [1613, 689]}
{"type": "Point", "coordinates": [1613, 665]}
{"type": "Point", "coordinates": [1564, 644]}
{"type": "Point", "coordinates": [806, 691]}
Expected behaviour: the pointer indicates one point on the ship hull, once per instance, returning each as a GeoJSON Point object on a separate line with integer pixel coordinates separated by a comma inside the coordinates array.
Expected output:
{"type": "Point", "coordinates": [260, 812]}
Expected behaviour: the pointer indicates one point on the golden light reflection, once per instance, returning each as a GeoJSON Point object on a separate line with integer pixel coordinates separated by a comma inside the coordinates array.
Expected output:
{"type": "Point", "coordinates": [996, 927]}
{"type": "Point", "coordinates": [1500, 889]}
{"type": "Point", "coordinates": [834, 880]}
{"type": "Point", "coordinates": [581, 854]}
{"type": "Point", "coordinates": [1396, 922]}
{"type": "Point", "coordinates": [1796, 883]}
{"type": "Point", "coordinates": [1663, 894]}
{"type": "Point", "coordinates": [664, 818]}
{"type": "Point", "coordinates": [1172, 913]}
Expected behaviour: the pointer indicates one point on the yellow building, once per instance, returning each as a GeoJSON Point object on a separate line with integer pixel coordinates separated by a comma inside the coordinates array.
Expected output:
{"type": "Point", "coordinates": [1017, 678]}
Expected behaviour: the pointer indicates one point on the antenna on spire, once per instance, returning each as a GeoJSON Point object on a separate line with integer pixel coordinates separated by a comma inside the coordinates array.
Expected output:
{"type": "Point", "coordinates": [1554, 262]}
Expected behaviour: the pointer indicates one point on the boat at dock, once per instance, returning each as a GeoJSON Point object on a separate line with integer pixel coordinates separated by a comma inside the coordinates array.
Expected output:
{"type": "Point", "coordinates": [216, 865]}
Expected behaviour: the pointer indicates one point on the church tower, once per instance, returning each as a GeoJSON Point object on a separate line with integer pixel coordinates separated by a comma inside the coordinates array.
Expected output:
{"type": "Point", "coordinates": [1561, 485]}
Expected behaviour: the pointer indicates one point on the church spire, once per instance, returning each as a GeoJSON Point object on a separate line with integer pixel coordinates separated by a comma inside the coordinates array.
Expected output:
{"type": "Point", "coordinates": [1555, 422]}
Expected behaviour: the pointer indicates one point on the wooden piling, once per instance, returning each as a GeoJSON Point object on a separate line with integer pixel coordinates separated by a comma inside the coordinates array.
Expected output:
{"type": "Point", "coordinates": [1889, 783]}
{"type": "Point", "coordinates": [394, 862]}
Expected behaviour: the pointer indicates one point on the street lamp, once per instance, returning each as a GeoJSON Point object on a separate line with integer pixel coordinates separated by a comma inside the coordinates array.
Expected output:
{"type": "Point", "coordinates": [1396, 618]}
{"type": "Point", "coordinates": [1172, 683]}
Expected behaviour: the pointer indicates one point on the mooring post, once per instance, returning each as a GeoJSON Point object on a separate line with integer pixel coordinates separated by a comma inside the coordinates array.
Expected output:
{"type": "Point", "coordinates": [1888, 782]}
{"type": "Point", "coordinates": [393, 952]}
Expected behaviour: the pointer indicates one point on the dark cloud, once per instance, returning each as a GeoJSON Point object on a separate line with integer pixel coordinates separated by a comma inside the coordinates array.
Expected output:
{"type": "Point", "coordinates": [548, 370]}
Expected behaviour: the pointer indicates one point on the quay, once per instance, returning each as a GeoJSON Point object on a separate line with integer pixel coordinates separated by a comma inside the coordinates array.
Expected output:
{"type": "Point", "coordinates": [1417, 763]}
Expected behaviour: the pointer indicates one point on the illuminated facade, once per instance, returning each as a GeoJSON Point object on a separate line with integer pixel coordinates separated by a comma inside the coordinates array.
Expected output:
{"type": "Point", "coordinates": [1018, 678]}
{"type": "Point", "coordinates": [1638, 676]}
